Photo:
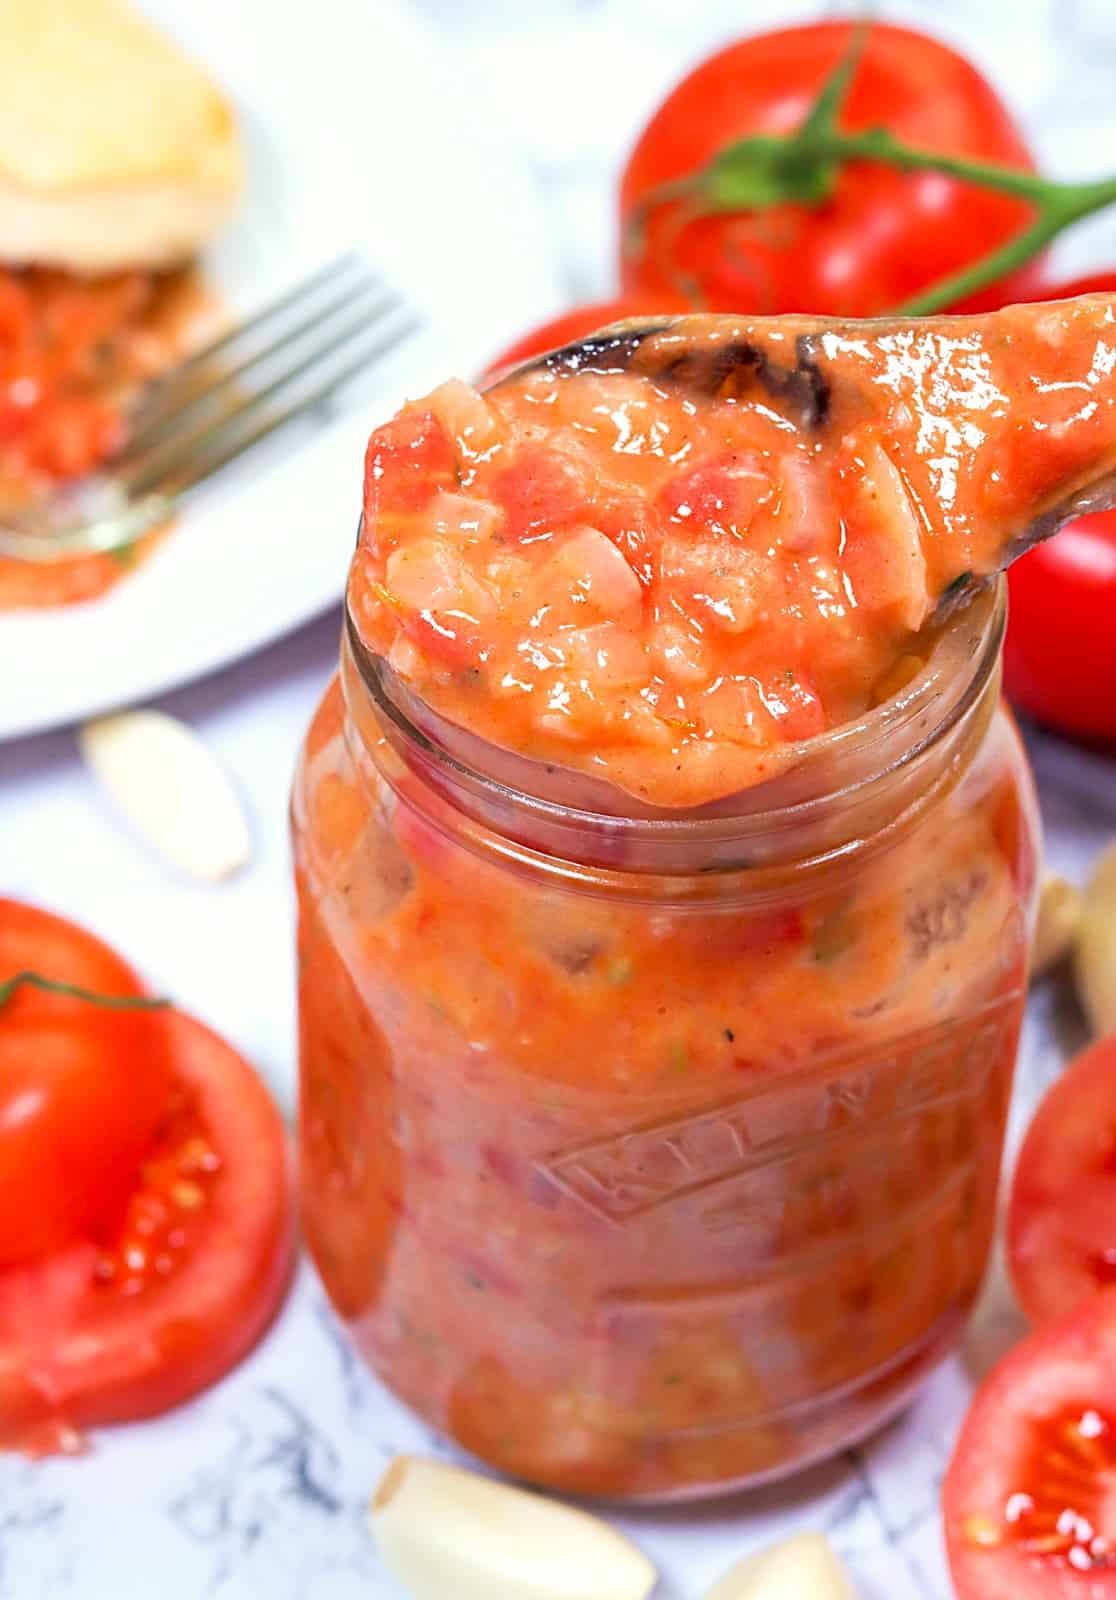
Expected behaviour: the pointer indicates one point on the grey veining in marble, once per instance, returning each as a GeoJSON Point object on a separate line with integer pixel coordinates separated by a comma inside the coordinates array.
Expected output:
{"type": "Point", "coordinates": [257, 1490]}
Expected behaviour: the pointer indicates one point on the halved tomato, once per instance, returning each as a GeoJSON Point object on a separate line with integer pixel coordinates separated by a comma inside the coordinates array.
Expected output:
{"type": "Point", "coordinates": [1028, 1498]}
{"type": "Point", "coordinates": [134, 1311]}
{"type": "Point", "coordinates": [1061, 1234]}
{"type": "Point", "coordinates": [68, 1067]}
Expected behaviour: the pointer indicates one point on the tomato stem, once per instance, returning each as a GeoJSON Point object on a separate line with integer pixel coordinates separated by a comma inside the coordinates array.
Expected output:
{"type": "Point", "coordinates": [107, 1002]}
{"type": "Point", "coordinates": [823, 114]}
{"type": "Point", "coordinates": [761, 171]}
{"type": "Point", "coordinates": [1059, 205]}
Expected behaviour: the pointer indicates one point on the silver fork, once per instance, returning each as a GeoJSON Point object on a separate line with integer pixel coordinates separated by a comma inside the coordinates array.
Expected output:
{"type": "Point", "coordinates": [217, 404]}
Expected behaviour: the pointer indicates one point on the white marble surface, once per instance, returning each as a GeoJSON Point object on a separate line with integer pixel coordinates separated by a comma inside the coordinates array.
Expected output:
{"type": "Point", "coordinates": [257, 1491]}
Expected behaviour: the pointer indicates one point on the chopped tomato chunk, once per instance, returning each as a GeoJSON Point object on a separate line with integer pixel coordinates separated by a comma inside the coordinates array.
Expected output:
{"type": "Point", "coordinates": [408, 461]}
{"type": "Point", "coordinates": [541, 494]}
{"type": "Point", "coordinates": [722, 494]}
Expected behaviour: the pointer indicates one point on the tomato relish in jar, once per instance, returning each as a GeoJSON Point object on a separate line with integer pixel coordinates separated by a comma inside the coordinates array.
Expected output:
{"type": "Point", "coordinates": [666, 882]}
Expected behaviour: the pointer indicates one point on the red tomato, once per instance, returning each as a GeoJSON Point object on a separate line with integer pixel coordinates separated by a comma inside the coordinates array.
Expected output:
{"type": "Point", "coordinates": [91, 1336]}
{"type": "Point", "coordinates": [882, 234]}
{"type": "Point", "coordinates": [1062, 1220]}
{"type": "Point", "coordinates": [579, 321]}
{"type": "Point", "coordinates": [1060, 655]}
{"type": "Point", "coordinates": [1027, 1500]}
{"type": "Point", "coordinates": [68, 1067]}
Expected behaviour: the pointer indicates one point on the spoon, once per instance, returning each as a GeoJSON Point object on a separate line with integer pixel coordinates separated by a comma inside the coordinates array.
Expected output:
{"type": "Point", "coordinates": [966, 398]}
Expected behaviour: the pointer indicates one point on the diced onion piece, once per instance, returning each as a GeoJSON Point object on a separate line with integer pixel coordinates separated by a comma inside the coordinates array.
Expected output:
{"type": "Point", "coordinates": [165, 782]}
{"type": "Point", "coordinates": [679, 655]}
{"type": "Point", "coordinates": [733, 709]}
{"type": "Point", "coordinates": [404, 659]}
{"type": "Point", "coordinates": [446, 1532]}
{"type": "Point", "coordinates": [802, 1568]}
{"type": "Point", "coordinates": [596, 572]}
{"type": "Point", "coordinates": [884, 555]}
{"type": "Point", "coordinates": [1095, 946]}
{"type": "Point", "coordinates": [604, 654]}
{"type": "Point", "coordinates": [460, 516]}
{"type": "Point", "coordinates": [804, 507]}
{"type": "Point", "coordinates": [722, 580]}
{"type": "Point", "coordinates": [1058, 917]}
{"type": "Point", "coordinates": [467, 417]}
{"type": "Point", "coordinates": [430, 575]}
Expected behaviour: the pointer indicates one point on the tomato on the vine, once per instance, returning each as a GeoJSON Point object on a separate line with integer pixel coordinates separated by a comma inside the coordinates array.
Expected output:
{"type": "Point", "coordinates": [877, 237]}
{"type": "Point", "coordinates": [162, 1167]}
{"type": "Point", "coordinates": [1027, 1500]}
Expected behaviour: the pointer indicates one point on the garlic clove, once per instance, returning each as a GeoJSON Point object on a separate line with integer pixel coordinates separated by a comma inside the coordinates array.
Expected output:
{"type": "Point", "coordinates": [1058, 917]}
{"type": "Point", "coordinates": [801, 1568]}
{"type": "Point", "coordinates": [163, 779]}
{"type": "Point", "coordinates": [443, 1531]}
{"type": "Point", "coordinates": [1094, 960]}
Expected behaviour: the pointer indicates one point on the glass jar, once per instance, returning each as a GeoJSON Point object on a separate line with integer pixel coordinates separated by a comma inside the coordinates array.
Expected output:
{"type": "Point", "coordinates": [652, 1154]}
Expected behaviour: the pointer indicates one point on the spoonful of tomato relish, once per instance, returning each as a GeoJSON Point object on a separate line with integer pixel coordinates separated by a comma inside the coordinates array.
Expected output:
{"type": "Point", "coordinates": [667, 554]}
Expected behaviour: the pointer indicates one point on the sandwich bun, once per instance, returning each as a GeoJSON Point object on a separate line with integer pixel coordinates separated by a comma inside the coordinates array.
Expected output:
{"type": "Point", "coordinates": [116, 150]}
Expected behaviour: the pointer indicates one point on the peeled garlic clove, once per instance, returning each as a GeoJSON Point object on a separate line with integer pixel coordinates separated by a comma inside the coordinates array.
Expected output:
{"type": "Point", "coordinates": [1058, 917]}
{"type": "Point", "coordinates": [448, 1534]}
{"type": "Point", "coordinates": [1094, 961]}
{"type": "Point", "coordinates": [802, 1568]}
{"type": "Point", "coordinates": [165, 782]}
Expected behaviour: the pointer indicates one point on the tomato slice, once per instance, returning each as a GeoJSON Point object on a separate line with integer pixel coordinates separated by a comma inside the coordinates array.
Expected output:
{"type": "Point", "coordinates": [1028, 1504]}
{"type": "Point", "coordinates": [67, 1066]}
{"type": "Point", "coordinates": [1062, 1219]}
{"type": "Point", "coordinates": [93, 1335]}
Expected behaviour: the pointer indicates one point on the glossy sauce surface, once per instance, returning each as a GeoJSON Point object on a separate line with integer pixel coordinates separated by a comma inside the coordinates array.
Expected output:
{"type": "Point", "coordinates": [670, 575]}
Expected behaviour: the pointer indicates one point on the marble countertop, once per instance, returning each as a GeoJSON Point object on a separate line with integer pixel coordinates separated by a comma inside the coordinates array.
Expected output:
{"type": "Point", "coordinates": [257, 1490]}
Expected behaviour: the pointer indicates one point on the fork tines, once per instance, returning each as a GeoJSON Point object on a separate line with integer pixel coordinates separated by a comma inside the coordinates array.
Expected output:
{"type": "Point", "coordinates": [288, 358]}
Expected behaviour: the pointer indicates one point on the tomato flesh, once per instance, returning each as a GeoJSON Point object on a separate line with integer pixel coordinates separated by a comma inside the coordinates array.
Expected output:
{"type": "Point", "coordinates": [94, 1333]}
{"type": "Point", "coordinates": [1061, 1234]}
{"type": "Point", "coordinates": [82, 1088]}
{"type": "Point", "coordinates": [1028, 1499]}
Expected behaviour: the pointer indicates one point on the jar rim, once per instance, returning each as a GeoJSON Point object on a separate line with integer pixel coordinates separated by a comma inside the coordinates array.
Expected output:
{"type": "Point", "coordinates": [899, 730]}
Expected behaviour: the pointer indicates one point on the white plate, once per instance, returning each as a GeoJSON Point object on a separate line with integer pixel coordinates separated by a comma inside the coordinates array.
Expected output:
{"type": "Point", "coordinates": [360, 131]}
